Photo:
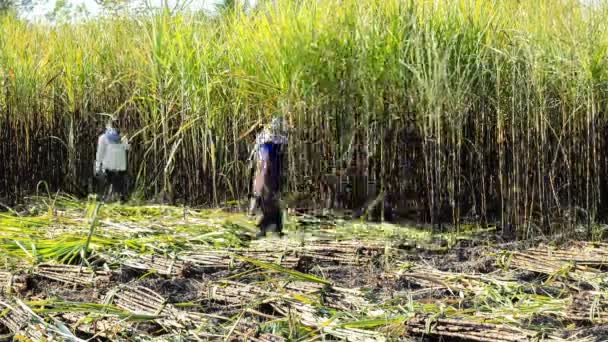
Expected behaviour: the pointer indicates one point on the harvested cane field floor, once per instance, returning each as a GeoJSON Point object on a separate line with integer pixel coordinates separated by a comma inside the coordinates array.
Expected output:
{"type": "Point", "coordinates": [175, 274]}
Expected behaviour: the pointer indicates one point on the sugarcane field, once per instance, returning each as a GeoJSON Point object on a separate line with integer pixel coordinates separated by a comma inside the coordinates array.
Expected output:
{"type": "Point", "coordinates": [318, 170]}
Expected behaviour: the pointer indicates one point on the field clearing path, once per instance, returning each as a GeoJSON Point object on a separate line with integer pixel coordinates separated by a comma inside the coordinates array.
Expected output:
{"type": "Point", "coordinates": [165, 273]}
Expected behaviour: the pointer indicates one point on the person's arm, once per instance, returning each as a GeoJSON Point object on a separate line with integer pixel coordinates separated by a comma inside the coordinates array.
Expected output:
{"type": "Point", "coordinates": [252, 153]}
{"type": "Point", "coordinates": [256, 147]}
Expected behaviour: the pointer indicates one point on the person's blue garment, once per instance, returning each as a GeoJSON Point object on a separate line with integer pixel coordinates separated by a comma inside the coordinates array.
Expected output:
{"type": "Point", "coordinates": [268, 151]}
{"type": "Point", "coordinates": [112, 136]}
{"type": "Point", "coordinates": [268, 173]}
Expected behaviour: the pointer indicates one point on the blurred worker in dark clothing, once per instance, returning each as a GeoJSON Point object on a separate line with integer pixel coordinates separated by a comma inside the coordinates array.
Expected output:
{"type": "Point", "coordinates": [269, 155]}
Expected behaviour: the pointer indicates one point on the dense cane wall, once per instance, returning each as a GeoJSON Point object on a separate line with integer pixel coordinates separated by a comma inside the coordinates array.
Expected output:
{"type": "Point", "coordinates": [484, 109]}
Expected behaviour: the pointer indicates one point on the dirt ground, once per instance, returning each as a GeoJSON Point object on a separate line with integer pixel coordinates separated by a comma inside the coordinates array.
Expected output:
{"type": "Point", "coordinates": [168, 275]}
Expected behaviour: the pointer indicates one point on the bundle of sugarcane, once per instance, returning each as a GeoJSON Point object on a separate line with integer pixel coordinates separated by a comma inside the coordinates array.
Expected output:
{"type": "Point", "coordinates": [305, 301]}
{"type": "Point", "coordinates": [6, 281]}
{"type": "Point", "coordinates": [219, 259]}
{"type": "Point", "coordinates": [284, 258]}
{"type": "Point", "coordinates": [432, 278]}
{"type": "Point", "coordinates": [130, 228]}
{"type": "Point", "coordinates": [163, 265]}
{"type": "Point", "coordinates": [235, 293]}
{"type": "Point", "coordinates": [309, 316]}
{"type": "Point", "coordinates": [434, 294]}
{"type": "Point", "coordinates": [238, 293]}
{"type": "Point", "coordinates": [597, 246]}
{"type": "Point", "coordinates": [351, 335]}
{"type": "Point", "coordinates": [73, 274]}
{"type": "Point", "coordinates": [345, 299]}
{"type": "Point", "coordinates": [581, 253]}
{"type": "Point", "coordinates": [13, 317]}
{"type": "Point", "coordinates": [193, 318]}
{"type": "Point", "coordinates": [23, 323]}
{"type": "Point", "coordinates": [140, 300]}
{"type": "Point", "coordinates": [330, 296]}
{"type": "Point", "coordinates": [551, 265]}
{"type": "Point", "coordinates": [590, 306]}
{"type": "Point", "coordinates": [334, 252]}
{"type": "Point", "coordinates": [137, 300]}
{"type": "Point", "coordinates": [321, 245]}
{"type": "Point", "coordinates": [248, 331]}
{"type": "Point", "coordinates": [301, 287]}
{"type": "Point", "coordinates": [35, 332]}
{"type": "Point", "coordinates": [468, 330]}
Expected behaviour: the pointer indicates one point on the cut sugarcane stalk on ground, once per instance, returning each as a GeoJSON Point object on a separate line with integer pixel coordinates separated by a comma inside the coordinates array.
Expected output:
{"type": "Point", "coordinates": [204, 276]}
